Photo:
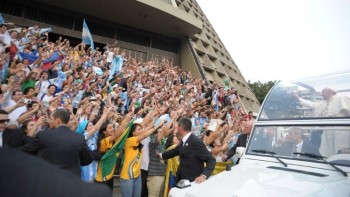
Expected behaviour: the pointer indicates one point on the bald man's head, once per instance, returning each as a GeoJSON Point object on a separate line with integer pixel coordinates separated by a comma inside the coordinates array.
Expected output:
{"type": "Point", "coordinates": [327, 93]}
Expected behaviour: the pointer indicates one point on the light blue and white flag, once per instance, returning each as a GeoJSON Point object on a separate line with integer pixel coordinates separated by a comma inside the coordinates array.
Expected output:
{"type": "Point", "coordinates": [86, 36]}
{"type": "Point", "coordinates": [2, 21]}
{"type": "Point", "coordinates": [97, 70]}
{"type": "Point", "coordinates": [44, 30]}
{"type": "Point", "coordinates": [116, 66]}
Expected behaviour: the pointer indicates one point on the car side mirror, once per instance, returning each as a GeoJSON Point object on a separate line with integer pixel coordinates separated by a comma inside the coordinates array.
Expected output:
{"type": "Point", "coordinates": [240, 151]}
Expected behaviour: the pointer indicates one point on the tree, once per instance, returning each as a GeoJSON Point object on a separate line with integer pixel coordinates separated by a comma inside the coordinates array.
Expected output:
{"type": "Point", "coordinates": [261, 89]}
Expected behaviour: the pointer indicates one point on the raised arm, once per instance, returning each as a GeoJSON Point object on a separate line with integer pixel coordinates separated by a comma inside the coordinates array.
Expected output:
{"type": "Point", "coordinates": [166, 130]}
{"type": "Point", "coordinates": [147, 119]}
{"type": "Point", "coordinates": [28, 114]}
{"type": "Point", "coordinates": [20, 103]}
{"type": "Point", "coordinates": [148, 132]}
{"type": "Point", "coordinates": [121, 128]}
{"type": "Point", "coordinates": [151, 123]}
{"type": "Point", "coordinates": [221, 148]}
{"type": "Point", "coordinates": [98, 125]}
{"type": "Point", "coordinates": [214, 135]}
{"type": "Point", "coordinates": [32, 131]}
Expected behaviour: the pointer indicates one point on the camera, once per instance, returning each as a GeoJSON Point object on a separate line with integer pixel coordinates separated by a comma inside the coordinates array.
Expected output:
{"type": "Point", "coordinates": [27, 101]}
{"type": "Point", "coordinates": [92, 98]}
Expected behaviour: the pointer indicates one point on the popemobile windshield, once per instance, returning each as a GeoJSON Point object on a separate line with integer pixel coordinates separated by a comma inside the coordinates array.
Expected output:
{"type": "Point", "coordinates": [299, 146]}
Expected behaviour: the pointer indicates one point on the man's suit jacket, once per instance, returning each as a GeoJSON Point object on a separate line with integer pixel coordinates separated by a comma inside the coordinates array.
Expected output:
{"type": "Point", "coordinates": [241, 142]}
{"type": "Point", "coordinates": [14, 138]}
{"type": "Point", "coordinates": [27, 175]}
{"type": "Point", "coordinates": [61, 147]}
{"type": "Point", "coordinates": [309, 148]}
{"type": "Point", "coordinates": [288, 147]}
{"type": "Point", "coordinates": [193, 154]}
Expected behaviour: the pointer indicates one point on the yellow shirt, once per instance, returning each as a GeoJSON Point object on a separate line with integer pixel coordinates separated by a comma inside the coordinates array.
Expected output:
{"type": "Point", "coordinates": [132, 160]}
{"type": "Point", "coordinates": [105, 145]}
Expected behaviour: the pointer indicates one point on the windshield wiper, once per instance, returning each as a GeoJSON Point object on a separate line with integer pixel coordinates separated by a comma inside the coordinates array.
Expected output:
{"type": "Point", "coordinates": [272, 154]}
{"type": "Point", "coordinates": [320, 157]}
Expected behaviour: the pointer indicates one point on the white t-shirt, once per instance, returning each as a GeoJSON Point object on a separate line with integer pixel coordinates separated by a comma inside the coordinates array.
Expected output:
{"type": "Point", "coordinates": [13, 116]}
{"type": "Point", "coordinates": [46, 100]}
{"type": "Point", "coordinates": [1, 138]}
{"type": "Point", "coordinates": [43, 85]}
{"type": "Point", "coordinates": [145, 153]}
{"type": "Point", "coordinates": [110, 56]}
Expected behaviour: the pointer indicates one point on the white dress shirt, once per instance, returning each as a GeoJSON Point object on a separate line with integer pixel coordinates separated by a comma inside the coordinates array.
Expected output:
{"type": "Point", "coordinates": [1, 132]}
{"type": "Point", "coordinates": [184, 139]}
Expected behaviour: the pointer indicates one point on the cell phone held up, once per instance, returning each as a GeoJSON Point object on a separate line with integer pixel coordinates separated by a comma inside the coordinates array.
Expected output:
{"type": "Point", "coordinates": [92, 98]}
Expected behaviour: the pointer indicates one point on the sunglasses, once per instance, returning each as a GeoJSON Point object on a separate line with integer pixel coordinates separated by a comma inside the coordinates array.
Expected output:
{"type": "Point", "coordinates": [5, 121]}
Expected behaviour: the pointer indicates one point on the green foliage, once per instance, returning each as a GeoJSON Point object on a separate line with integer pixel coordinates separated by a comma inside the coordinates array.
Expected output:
{"type": "Point", "coordinates": [261, 89]}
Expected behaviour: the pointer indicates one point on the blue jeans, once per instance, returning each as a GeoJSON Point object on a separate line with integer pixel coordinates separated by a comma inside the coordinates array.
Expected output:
{"type": "Point", "coordinates": [131, 187]}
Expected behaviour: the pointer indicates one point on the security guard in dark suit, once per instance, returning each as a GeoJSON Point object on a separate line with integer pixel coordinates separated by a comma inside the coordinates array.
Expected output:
{"type": "Point", "coordinates": [193, 155]}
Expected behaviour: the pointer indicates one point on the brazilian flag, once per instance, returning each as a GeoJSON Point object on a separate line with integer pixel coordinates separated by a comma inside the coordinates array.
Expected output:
{"type": "Point", "coordinates": [109, 160]}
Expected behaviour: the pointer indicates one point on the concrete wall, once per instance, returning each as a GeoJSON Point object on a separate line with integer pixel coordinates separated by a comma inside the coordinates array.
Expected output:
{"type": "Point", "coordinates": [188, 62]}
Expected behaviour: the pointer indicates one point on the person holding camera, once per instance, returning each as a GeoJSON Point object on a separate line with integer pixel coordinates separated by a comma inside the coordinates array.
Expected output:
{"type": "Point", "coordinates": [13, 138]}
{"type": "Point", "coordinates": [60, 146]}
{"type": "Point", "coordinates": [16, 105]}
{"type": "Point", "coordinates": [43, 84]}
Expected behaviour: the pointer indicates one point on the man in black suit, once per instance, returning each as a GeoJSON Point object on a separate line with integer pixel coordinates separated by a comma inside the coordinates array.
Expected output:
{"type": "Point", "coordinates": [193, 155]}
{"type": "Point", "coordinates": [26, 175]}
{"type": "Point", "coordinates": [13, 138]}
{"type": "Point", "coordinates": [61, 146]}
{"type": "Point", "coordinates": [242, 139]}
{"type": "Point", "coordinates": [265, 141]}
{"type": "Point", "coordinates": [298, 145]}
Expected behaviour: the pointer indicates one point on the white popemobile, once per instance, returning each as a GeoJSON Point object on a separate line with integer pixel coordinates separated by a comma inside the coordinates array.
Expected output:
{"type": "Point", "coordinates": [299, 146]}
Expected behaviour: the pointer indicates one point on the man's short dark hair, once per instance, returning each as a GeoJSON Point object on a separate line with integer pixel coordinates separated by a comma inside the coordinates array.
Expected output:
{"type": "Point", "coordinates": [62, 114]}
{"type": "Point", "coordinates": [80, 69]}
{"type": "Point", "coordinates": [26, 90]}
{"type": "Point", "coordinates": [186, 124]}
{"type": "Point", "coordinates": [43, 72]}
{"type": "Point", "coordinates": [15, 91]}
{"type": "Point", "coordinates": [137, 109]}
{"type": "Point", "coordinates": [52, 85]}
{"type": "Point", "coordinates": [3, 112]}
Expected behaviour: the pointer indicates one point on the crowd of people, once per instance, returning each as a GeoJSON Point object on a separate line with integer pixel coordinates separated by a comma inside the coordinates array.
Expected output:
{"type": "Point", "coordinates": [96, 100]}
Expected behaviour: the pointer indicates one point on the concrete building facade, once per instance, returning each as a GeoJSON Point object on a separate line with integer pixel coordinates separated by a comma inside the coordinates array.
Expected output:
{"type": "Point", "coordinates": [177, 30]}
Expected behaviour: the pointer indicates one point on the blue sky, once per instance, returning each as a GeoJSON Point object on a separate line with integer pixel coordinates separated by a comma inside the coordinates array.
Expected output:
{"type": "Point", "coordinates": [283, 39]}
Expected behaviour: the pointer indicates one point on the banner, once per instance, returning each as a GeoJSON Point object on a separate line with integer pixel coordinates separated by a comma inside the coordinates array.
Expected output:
{"type": "Point", "coordinates": [86, 36]}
